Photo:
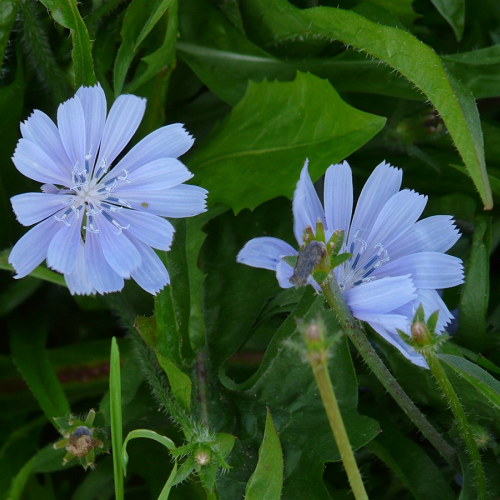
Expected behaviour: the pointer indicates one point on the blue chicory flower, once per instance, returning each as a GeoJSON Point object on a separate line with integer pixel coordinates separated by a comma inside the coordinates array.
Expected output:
{"type": "Point", "coordinates": [397, 263]}
{"type": "Point", "coordinates": [95, 223]}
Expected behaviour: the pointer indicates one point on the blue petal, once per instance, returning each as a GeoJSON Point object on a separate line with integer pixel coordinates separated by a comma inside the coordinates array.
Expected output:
{"type": "Point", "coordinates": [34, 163]}
{"type": "Point", "coordinates": [41, 130]}
{"type": "Point", "coordinates": [284, 272]}
{"type": "Point", "coordinates": [71, 123]}
{"type": "Point", "coordinates": [264, 253]}
{"type": "Point", "coordinates": [99, 272]}
{"type": "Point", "coordinates": [151, 275]}
{"type": "Point", "coordinates": [306, 206]}
{"type": "Point", "coordinates": [396, 217]}
{"type": "Point", "coordinates": [148, 228]}
{"type": "Point", "coordinates": [123, 120]}
{"type": "Point", "coordinates": [93, 103]}
{"type": "Point", "coordinates": [31, 208]}
{"type": "Point", "coordinates": [63, 249]}
{"type": "Point", "coordinates": [155, 176]}
{"type": "Point", "coordinates": [31, 249]}
{"type": "Point", "coordinates": [406, 350]}
{"type": "Point", "coordinates": [434, 234]}
{"type": "Point", "coordinates": [171, 141]}
{"type": "Point", "coordinates": [180, 201]}
{"type": "Point", "coordinates": [431, 270]}
{"type": "Point", "coordinates": [380, 296]}
{"type": "Point", "coordinates": [382, 184]}
{"type": "Point", "coordinates": [117, 249]}
{"type": "Point", "coordinates": [78, 280]}
{"type": "Point", "coordinates": [338, 198]}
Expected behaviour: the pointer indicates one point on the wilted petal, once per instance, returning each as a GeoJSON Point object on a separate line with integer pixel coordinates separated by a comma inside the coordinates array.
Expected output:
{"type": "Point", "coordinates": [338, 198]}
{"type": "Point", "coordinates": [306, 206]}
{"type": "Point", "coordinates": [31, 249]}
{"type": "Point", "coordinates": [380, 296]}
{"type": "Point", "coordinates": [31, 208]}
{"type": "Point", "coordinates": [431, 270]}
{"type": "Point", "coordinates": [265, 253]}
{"type": "Point", "coordinates": [102, 276]}
{"type": "Point", "coordinates": [170, 141]}
{"type": "Point", "coordinates": [123, 120]}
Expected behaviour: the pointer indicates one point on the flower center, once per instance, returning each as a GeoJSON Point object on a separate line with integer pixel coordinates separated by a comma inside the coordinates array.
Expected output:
{"type": "Point", "coordinates": [364, 261]}
{"type": "Point", "coordinates": [94, 197]}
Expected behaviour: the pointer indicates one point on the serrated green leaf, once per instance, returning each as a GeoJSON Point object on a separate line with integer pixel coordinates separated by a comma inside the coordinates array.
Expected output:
{"type": "Point", "coordinates": [267, 480]}
{"type": "Point", "coordinates": [276, 21]}
{"type": "Point", "coordinates": [476, 289]}
{"type": "Point", "coordinates": [454, 13]}
{"type": "Point", "coordinates": [65, 12]}
{"type": "Point", "coordinates": [480, 379]}
{"type": "Point", "coordinates": [259, 150]}
{"type": "Point", "coordinates": [30, 356]}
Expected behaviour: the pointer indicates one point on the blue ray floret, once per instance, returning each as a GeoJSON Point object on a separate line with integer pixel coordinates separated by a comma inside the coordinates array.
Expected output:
{"type": "Point", "coordinates": [97, 222]}
{"type": "Point", "coordinates": [396, 263]}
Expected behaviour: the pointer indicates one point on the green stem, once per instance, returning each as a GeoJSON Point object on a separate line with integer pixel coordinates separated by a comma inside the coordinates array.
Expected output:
{"type": "Point", "coordinates": [201, 376]}
{"type": "Point", "coordinates": [334, 297]}
{"type": "Point", "coordinates": [319, 366]}
{"type": "Point", "coordinates": [462, 422]}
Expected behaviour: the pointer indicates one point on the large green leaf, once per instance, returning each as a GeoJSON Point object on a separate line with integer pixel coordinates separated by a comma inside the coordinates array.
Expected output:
{"type": "Point", "coordinates": [277, 21]}
{"type": "Point", "coordinates": [28, 339]}
{"type": "Point", "coordinates": [476, 290]}
{"type": "Point", "coordinates": [65, 12]}
{"type": "Point", "coordinates": [257, 153]}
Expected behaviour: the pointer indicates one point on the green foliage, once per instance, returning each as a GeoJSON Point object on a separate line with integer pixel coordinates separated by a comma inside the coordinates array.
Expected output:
{"type": "Point", "coordinates": [262, 85]}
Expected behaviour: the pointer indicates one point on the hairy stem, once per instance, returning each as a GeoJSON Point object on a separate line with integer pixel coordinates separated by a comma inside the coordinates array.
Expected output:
{"type": "Point", "coordinates": [462, 422]}
{"type": "Point", "coordinates": [318, 361]}
{"type": "Point", "coordinates": [334, 297]}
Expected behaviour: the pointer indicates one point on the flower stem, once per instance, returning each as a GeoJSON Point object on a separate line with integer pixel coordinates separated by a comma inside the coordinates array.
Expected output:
{"type": "Point", "coordinates": [334, 297]}
{"type": "Point", "coordinates": [462, 422]}
{"type": "Point", "coordinates": [201, 376]}
{"type": "Point", "coordinates": [318, 361]}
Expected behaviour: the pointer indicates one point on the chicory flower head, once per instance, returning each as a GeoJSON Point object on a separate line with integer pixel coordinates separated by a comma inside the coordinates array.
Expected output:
{"type": "Point", "coordinates": [397, 263]}
{"type": "Point", "coordinates": [97, 223]}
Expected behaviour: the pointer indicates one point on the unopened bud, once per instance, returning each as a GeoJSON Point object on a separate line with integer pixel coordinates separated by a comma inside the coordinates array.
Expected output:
{"type": "Point", "coordinates": [420, 334]}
